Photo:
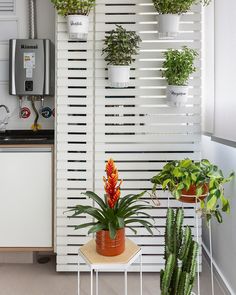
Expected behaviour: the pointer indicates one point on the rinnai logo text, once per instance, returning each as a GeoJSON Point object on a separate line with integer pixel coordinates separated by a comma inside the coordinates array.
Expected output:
{"type": "Point", "coordinates": [23, 46]}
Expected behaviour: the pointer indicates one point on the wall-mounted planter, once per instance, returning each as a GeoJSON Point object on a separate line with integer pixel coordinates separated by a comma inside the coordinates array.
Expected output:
{"type": "Point", "coordinates": [168, 25]}
{"type": "Point", "coordinates": [177, 95]}
{"type": "Point", "coordinates": [119, 76]}
{"type": "Point", "coordinates": [78, 26]}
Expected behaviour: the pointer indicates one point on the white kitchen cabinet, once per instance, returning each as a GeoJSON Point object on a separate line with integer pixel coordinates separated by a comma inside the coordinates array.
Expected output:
{"type": "Point", "coordinates": [26, 197]}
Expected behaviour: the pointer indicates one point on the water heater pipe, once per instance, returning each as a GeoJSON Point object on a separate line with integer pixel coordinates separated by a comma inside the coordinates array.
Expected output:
{"type": "Point", "coordinates": [32, 20]}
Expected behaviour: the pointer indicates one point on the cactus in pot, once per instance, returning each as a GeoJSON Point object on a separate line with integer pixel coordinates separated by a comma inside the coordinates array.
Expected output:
{"type": "Point", "coordinates": [180, 255]}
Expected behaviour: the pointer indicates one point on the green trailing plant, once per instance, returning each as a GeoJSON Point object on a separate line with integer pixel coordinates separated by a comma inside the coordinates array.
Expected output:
{"type": "Point", "coordinates": [176, 6]}
{"type": "Point", "coordinates": [113, 212]}
{"type": "Point", "coordinates": [80, 7]}
{"type": "Point", "coordinates": [180, 175]}
{"type": "Point", "coordinates": [180, 256]}
{"type": "Point", "coordinates": [120, 46]}
{"type": "Point", "coordinates": [179, 65]}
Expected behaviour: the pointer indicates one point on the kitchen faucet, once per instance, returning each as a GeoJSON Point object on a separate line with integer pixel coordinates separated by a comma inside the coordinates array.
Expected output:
{"type": "Point", "coordinates": [4, 122]}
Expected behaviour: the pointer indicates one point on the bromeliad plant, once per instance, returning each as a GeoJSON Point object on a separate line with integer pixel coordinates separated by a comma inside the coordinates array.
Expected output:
{"type": "Point", "coordinates": [67, 7]}
{"type": "Point", "coordinates": [120, 46]}
{"type": "Point", "coordinates": [180, 255]}
{"type": "Point", "coordinates": [179, 65]}
{"type": "Point", "coordinates": [181, 175]}
{"type": "Point", "coordinates": [114, 213]}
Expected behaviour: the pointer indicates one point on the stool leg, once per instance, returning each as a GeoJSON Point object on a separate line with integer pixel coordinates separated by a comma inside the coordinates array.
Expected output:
{"type": "Point", "coordinates": [126, 291]}
{"type": "Point", "coordinates": [78, 276]}
{"type": "Point", "coordinates": [91, 281]}
{"type": "Point", "coordinates": [96, 282]}
{"type": "Point", "coordinates": [141, 275]}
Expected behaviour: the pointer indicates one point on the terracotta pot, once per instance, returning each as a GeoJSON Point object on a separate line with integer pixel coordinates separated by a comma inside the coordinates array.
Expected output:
{"type": "Point", "coordinates": [190, 195]}
{"type": "Point", "coordinates": [106, 246]}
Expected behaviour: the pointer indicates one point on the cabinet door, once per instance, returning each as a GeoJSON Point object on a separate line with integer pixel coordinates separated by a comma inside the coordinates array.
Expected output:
{"type": "Point", "coordinates": [25, 199]}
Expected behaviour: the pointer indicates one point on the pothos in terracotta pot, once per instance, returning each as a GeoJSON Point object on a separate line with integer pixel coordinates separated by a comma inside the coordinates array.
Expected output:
{"type": "Point", "coordinates": [120, 47]}
{"type": "Point", "coordinates": [113, 214]}
{"type": "Point", "coordinates": [169, 15]}
{"type": "Point", "coordinates": [177, 68]}
{"type": "Point", "coordinates": [192, 182]}
{"type": "Point", "coordinates": [77, 12]}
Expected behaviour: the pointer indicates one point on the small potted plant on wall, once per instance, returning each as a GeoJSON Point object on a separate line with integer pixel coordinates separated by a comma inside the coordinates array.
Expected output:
{"type": "Point", "coordinates": [177, 68]}
{"type": "Point", "coordinates": [113, 214]}
{"type": "Point", "coordinates": [180, 256]}
{"type": "Point", "coordinates": [169, 14]}
{"type": "Point", "coordinates": [192, 182]}
{"type": "Point", "coordinates": [120, 48]}
{"type": "Point", "coordinates": [77, 12]}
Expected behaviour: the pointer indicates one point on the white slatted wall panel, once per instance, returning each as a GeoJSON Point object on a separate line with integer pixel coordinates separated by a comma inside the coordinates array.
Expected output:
{"type": "Point", "coordinates": [74, 139]}
{"type": "Point", "coordinates": [7, 6]}
{"type": "Point", "coordinates": [134, 126]}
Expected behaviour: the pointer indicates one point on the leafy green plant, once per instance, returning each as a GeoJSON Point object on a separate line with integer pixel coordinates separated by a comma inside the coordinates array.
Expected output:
{"type": "Point", "coordinates": [177, 176]}
{"type": "Point", "coordinates": [179, 65]}
{"type": "Point", "coordinates": [80, 7]}
{"type": "Point", "coordinates": [176, 6]}
{"type": "Point", "coordinates": [114, 212]}
{"type": "Point", "coordinates": [120, 46]}
{"type": "Point", "coordinates": [180, 255]}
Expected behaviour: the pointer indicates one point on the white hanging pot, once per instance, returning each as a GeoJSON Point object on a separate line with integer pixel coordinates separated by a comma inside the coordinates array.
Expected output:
{"type": "Point", "coordinates": [118, 76]}
{"type": "Point", "coordinates": [78, 26]}
{"type": "Point", "coordinates": [177, 95]}
{"type": "Point", "coordinates": [168, 25]}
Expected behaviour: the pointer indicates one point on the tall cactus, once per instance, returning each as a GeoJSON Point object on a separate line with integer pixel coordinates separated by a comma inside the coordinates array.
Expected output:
{"type": "Point", "coordinates": [181, 256]}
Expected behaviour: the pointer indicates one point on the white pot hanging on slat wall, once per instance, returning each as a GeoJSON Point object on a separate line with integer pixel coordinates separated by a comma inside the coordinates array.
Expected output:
{"type": "Point", "coordinates": [78, 26]}
{"type": "Point", "coordinates": [177, 95]}
{"type": "Point", "coordinates": [168, 25]}
{"type": "Point", "coordinates": [118, 76]}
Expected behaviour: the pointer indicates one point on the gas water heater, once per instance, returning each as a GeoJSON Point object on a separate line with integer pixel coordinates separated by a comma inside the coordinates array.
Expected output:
{"type": "Point", "coordinates": [31, 62]}
{"type": "Point", "coordinates": [30, 67]}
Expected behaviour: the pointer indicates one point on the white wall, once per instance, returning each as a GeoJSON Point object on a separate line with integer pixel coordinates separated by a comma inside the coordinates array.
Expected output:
{"type": "Point", "coordinates": [219, 78]}
{"type": "Point", "coordinates": [224, 236]}
{"type": "Point", "coordinates": [225, 76]}
{"type": "Point", "coordinates": [16, 26]}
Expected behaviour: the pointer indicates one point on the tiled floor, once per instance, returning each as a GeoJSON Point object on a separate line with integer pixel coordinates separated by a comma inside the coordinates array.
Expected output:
{"type": "Point", "coordinates": [42, 279]}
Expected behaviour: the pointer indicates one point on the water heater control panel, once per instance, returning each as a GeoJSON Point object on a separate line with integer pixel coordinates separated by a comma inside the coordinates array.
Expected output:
{"type": "Point", "coordinates": [31, 67]}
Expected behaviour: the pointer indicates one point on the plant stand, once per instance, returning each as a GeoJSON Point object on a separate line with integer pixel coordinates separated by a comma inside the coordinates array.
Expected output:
{"type": "Point", "coordinates": [211, 254]}
{"type": "Point", "coordinates": [98, 263]}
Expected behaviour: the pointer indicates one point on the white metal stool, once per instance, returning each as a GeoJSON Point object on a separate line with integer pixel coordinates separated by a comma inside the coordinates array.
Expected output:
{"type": "Point", "coordinates": [119, 263]}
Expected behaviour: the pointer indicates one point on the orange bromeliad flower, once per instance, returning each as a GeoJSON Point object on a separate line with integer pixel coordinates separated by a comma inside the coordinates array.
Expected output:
{"type": "Point", "coordinates": [111, 186]}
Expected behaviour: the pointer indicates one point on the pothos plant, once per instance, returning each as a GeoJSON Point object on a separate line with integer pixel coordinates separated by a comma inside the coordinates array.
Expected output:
{"type": "Point", "coordinates": [179, 65]}
{"type": "Point", "coordinates": [176, 6]}
{"type": "Point", "coordinates": [120, 46]}
{"type": "Point", "coordinates": [177, 176]}
{"type": "Point", "coordinates": [114, 212]}
{"type": "Point", "coordinates": [67, 7]}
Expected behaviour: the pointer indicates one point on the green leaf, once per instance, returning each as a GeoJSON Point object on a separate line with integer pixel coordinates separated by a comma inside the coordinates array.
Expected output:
{"type": "Point", "coordinates": [84, 225]}
{"type": "Point", "coordinates": [112, 230]}
{"type": "Point", "coordinates": [97, 227]}
{"type": "Point", "coordinates": [211, 202]}
{"type": "Point", "coordinates": [145, 223]}
{"type": "Point", "coordinates": [96, 198]}
{"type": "Point", "coordinates": [165, 183]}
